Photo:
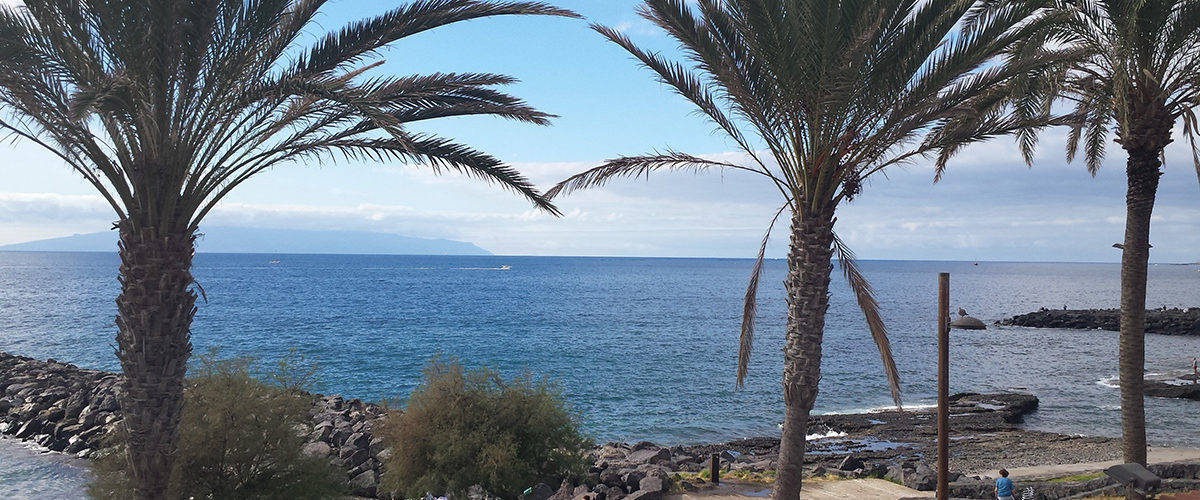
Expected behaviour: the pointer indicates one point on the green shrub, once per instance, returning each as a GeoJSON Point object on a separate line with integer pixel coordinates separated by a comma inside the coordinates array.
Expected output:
{"type": "Point", "coordinates": [239, 439]}
{"type": "Point", "coordinates": [461, 428]}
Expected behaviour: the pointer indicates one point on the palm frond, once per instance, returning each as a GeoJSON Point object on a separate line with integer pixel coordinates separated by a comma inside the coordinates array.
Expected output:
{"type": "Point", "coordinates": [750, 305]}
{"type": "Point", "coordinates": [351, 43]}
{"type": "Point", "coordinates": [638, 166]}
{"type": "Point", "coordinates": [865, 296]}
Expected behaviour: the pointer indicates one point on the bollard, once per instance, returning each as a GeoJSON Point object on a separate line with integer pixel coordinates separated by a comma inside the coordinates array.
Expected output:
{"type": "Point", "coordinates": [714, 466]}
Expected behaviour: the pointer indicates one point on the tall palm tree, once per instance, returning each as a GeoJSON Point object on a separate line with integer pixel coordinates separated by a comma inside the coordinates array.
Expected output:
{"type": "Point", "coordinates": [820, 95]}
{"type": "Point", "coordinates": [1139, 74]}
{"type": "Point", "coordinates": [165, 106]}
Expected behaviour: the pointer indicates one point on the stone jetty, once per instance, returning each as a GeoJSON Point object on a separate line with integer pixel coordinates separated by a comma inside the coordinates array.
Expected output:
{"type": "Point", "coordinates": [1161, 321]}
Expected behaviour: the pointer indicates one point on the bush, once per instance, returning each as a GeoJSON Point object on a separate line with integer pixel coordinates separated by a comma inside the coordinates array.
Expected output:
{"type": "Point", "coordinates": [239, 439]}
{"type": "Point", "coordinates": [461, 428]}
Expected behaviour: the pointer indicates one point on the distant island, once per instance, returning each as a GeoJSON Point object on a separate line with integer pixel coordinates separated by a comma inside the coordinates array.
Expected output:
{"type": "Point", "coordinates": [220, 239]}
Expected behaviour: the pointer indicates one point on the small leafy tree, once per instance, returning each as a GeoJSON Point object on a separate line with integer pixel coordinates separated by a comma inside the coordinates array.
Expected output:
{"type": "Point", "coordinates": [238, 439]}
{"type": "Point", "coordinates": [462, 428]}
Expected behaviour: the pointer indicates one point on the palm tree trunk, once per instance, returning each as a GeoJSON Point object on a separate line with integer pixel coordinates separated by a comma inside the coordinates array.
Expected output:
{"type": "Point", "coordinates": [807, 287]}
{"type": "Point", "coordinates": [1142, 171]}
{"type": "Point", "coordinates": [154, 317]}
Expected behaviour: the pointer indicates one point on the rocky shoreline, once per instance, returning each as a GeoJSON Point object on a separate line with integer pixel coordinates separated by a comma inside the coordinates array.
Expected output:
{"type": "Point", "coordinates": [71, 410]}
{"type": "Point", "coordinates": [1162, 321]}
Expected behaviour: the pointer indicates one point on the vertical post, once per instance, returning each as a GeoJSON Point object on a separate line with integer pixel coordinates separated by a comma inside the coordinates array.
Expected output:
{"type": "Point", "coordinates": [714, 467]}
{"type": "Point", "coordinates": [943, 385]}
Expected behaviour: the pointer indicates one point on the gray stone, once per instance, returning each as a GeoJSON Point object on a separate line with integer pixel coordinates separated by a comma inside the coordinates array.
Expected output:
{"type": "Point", "coordinates": [375, 446]}
{"type": "Point", "coordinates": [28, 429]}
{"type": "Point", "coordinates": [358, 440]}
{"type": "Point", "coordinates": [612, 477]}
{"type": "Point", "coordinates": [645, 495]}
{"type": "Point", "coordinates": [653, 484]}
{"type": "Point", "coordinates": [364, 484]}
{"type": "Point", "coordinates": [317, 449]}
{"type": "Point", "coordinates": [633, 479]}
{"type": "Point", "coordinates": [968, 323]}
{"type": "Point", "coordinates": [650, 455]}
{"type": "Point", "coordinates": [321, 432]}
{"type": "Point", "coordinates": [353, 457]}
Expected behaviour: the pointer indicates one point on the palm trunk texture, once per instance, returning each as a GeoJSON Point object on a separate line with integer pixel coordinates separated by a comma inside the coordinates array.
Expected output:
{"type": "Point", "coordinates": [154, 317]}
{"type": "Point", "coordinates": [807, 285]}
{"type": "Point", "coordinates": [1142, 171]}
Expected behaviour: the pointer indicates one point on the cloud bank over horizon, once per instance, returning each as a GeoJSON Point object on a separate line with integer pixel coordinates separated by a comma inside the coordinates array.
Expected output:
{"type": "Point", "coordinates": [989, 206]}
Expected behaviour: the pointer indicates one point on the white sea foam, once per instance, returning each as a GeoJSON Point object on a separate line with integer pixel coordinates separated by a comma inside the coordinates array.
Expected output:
{"type": "Point", "coordinates": [1109, 382]}
{"type": "Point", "coordinates": [877, 409]}
{"type": "Point", "coordinates": [826, 435]}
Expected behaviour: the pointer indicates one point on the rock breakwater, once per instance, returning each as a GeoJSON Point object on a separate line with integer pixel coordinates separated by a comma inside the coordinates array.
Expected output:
{"type": "Point", "coordinates": [1163, 321]}
{"type": "Point", "coordinates": [74, 410]}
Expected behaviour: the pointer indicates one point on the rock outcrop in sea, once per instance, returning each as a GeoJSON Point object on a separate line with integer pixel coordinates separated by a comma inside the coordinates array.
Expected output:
{"type": "Point", "coordinates": [1162, 321]}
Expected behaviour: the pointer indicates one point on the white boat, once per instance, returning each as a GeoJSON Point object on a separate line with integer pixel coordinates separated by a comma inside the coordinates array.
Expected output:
{"type": "Point", "coordinates": [505, 268]}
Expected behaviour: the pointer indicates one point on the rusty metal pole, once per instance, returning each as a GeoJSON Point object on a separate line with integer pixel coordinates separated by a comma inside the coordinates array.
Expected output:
{"type": "Point", "coordinates": [943, 384]}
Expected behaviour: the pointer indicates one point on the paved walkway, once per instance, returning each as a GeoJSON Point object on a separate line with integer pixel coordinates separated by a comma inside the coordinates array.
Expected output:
{"type": "Point", "coordinates": [1154, 455]}
{"type": "Point", "coordinates": [878, 489]}
{"type": "Point", "coordinates": [851, 489]}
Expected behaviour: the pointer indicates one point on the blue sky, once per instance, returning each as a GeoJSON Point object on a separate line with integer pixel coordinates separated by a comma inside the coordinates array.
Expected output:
{"type": "Point", "coordinates": [989, 207]}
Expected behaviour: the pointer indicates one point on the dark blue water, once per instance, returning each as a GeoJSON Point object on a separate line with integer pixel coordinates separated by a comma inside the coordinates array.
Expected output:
{"type": "Point", "coordinates": [644, 348]}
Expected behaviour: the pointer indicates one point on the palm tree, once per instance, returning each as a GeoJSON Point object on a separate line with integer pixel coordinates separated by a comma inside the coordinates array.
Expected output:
{"type": "Point", "coordinates": [821, 95]}
{"type": "Point", "coordinates": [165, 106]}
{"type": "Point", "coordinates": [1139, 73]}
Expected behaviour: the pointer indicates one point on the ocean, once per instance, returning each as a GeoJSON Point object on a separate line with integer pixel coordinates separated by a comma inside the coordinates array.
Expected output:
{"type": "Point", "coordinates": [643, 348]}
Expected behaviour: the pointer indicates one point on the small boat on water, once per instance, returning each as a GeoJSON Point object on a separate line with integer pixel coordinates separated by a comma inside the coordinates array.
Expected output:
{"type": "Point", "coordinates": [273, 261]}
{"type": "Point", "coordinates": [505, 268]}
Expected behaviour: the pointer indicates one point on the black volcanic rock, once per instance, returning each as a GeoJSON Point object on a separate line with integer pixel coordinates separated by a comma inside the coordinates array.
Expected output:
{"type": "Point", "coordinates": [1165, 390]}
{"type": "Point", "coordinates": [1173, 321]}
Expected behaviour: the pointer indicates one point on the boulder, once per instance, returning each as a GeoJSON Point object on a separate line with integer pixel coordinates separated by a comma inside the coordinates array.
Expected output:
{"type": "Point", "coordinates": [968, 323]}
{"type": "Point", "coordinates": [660, 456]}
{"type": "Point", "coordinates": [645, 495]}
{"type": "Point", "coordinates": [632, 479]}
{"type": "Point", "coordinates": [612, 477]}
{"type": "Point", "coordinates": [364, 484]}
{"type": "Point", "coordinates": [317, 449]}
{"type": "Point", "coordinates": [358, 440]}
{"type": "Point", "coordinates": [653, 483]}
{"type": "Point", "coordinates": [921, 478]}
{"type": "Point", "coordinates": [1165, 390]}
{"type": "Point", "coordinates": [850, 463]}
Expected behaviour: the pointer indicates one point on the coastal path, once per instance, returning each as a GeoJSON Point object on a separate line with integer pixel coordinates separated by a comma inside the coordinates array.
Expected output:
{"type": "Point", "coordinates": [848, 489]}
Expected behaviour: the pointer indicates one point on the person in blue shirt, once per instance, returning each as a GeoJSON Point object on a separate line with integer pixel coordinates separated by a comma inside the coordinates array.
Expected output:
{"type": "Point", "coordinates": [1004, 486]}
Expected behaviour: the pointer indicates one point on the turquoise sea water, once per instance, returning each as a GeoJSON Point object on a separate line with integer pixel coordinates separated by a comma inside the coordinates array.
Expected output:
{"type": "Point", "coordinates": [644, 348]}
